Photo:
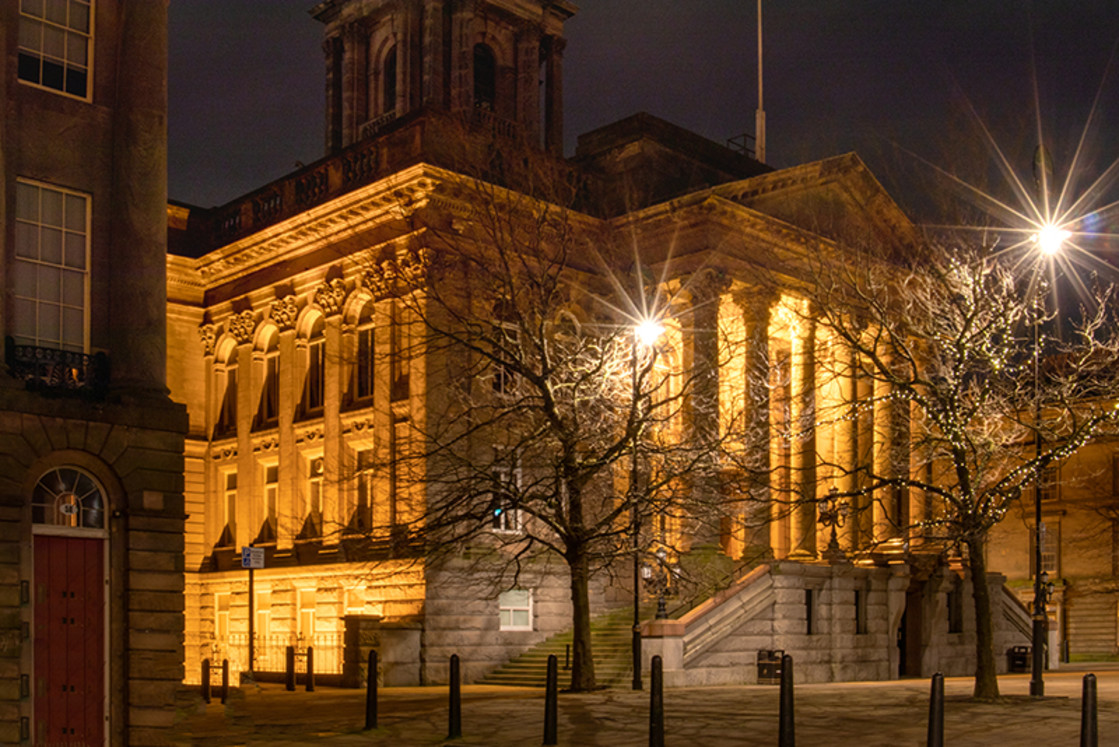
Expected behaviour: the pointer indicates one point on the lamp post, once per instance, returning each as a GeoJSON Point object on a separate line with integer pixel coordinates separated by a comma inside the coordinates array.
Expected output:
{"type": "Point", "coordinates": [645, 333]}
{"type": "Point", "coordinates": [1049, 241]}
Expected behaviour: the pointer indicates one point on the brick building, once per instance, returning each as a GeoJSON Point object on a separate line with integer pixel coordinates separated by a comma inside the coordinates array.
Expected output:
{"type": "Point", "coordinates": [91, 505]}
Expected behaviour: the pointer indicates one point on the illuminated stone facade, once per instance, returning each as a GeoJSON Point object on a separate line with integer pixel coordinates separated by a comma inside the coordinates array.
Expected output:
{"type": "Point", "coordinates": [300, 370]}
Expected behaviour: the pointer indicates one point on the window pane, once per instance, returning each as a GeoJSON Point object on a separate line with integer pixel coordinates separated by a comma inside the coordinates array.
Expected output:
{"type": "Point", "coordinates": [50, 322]}
{"type": "Point", "coordinates": [30, 34]}
{"type": "Point", "coordinates": [23, 327]}
{"type": "Point", "coordinates": [73, 288]}
{"type": "Point", "coordinates": [24, 279]}
{"type": "Point", "coordinates": [32, 7]}
{"type": "Point", "coordinates": [50, 284]}
{"type": "Point", "coordinates": [79, 16]}
{"type": "Point", "coordinates": [54, 42]}
{"type": "Point", "coordinates": [52, 75]}
{"type": "Point", "coordinates": [27, 241]}
{"type": "Point", "coordinates": [50, 248]}
{"type": "Point", "coordinates": [75, 81]}
{"type": "Point", "coordinates": [76, 49]}
{"type": "Point", "coordinates": [52, 207]}
{"type": "Point", "coordinates": [75, 251]}
{"type": "Point", "coordinates": [75, 213]}
{"type": "Point", "coordinates": [73, 329]}
{"type": "Point", "coordinates": [27, 202]}
{"type": "Point", "coordinates": [56, 11]}
{"type": "Point", "coordinates": [520, 618]}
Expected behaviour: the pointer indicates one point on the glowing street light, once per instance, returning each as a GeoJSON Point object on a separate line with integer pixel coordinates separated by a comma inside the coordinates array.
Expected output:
{"type": "Point", "coordinates": [645, 333]}
{"type": "Point", "coordinates": [1050, 239]}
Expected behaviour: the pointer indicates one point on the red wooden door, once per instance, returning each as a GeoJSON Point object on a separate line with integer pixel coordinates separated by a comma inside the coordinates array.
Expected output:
{"type": "Point", "coordinates": [69, 618]}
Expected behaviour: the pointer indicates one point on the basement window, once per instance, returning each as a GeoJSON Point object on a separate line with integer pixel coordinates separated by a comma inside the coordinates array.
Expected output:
{"type": "Point", "coordinates": [515, 609]}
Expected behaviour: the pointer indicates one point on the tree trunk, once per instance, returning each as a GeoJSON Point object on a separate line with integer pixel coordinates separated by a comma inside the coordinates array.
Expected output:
{"type": "Point", "coordinates": [582, 660]}
{"type": "Point", "coordinates": [986, 675]}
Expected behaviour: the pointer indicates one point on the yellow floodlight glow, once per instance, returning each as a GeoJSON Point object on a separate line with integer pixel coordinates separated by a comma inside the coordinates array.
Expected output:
{"type": "Point", "coordinates": [1050, 239]}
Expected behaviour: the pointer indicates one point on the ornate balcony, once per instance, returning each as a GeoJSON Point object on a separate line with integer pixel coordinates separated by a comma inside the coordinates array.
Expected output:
{"type": "Point", "coordinates": [57, 371]}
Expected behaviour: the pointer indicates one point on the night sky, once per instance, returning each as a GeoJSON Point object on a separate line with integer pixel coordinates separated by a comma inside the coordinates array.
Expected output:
{"type": "Point", "coordinates": [893, 80]}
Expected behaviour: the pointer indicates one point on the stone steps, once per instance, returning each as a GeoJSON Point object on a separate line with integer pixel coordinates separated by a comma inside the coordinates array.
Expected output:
{"type": "Point", "coordinates": [611, 646]}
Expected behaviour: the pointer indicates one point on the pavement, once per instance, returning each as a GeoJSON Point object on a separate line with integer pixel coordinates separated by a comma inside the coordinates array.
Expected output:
{"type": "Point", "coordinates": [866, 714]}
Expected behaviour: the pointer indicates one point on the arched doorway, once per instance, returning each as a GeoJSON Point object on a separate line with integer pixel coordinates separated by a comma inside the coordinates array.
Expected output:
{"type": "Point", "coordinates": [69, 612]}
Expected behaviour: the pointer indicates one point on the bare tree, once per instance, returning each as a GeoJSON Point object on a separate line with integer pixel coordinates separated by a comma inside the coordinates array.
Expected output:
{"type": "Point", "coordinates": [953, 346]}
{"type": "Point", "coordinates": [549, 428]}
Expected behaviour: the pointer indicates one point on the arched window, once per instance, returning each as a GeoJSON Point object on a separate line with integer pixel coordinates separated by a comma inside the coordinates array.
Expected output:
{"type": "Point", "coordinates": [314, 387]}
{"type": "Point", "coordinates": [225, 381]}
{"type": "Point", "coordinates": [388, 82]}
{"type": "Point", "coordinates": [269, 411]}
{"type": "Point", "coordinates": [485, 78]}
{"type": "Point", "coordinates": [363, 365]}
{"type": "Point", "coordinates": [68, 497]}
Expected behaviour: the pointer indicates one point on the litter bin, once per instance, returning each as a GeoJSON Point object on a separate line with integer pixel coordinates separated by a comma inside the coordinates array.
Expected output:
{"type": "Point", "coordinates": [1019, 659]}
{"type": "Point", "coordinates": [769, 667]}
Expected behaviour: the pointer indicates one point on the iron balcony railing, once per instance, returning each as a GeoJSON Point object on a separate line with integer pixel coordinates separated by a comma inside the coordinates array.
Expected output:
{"type": "Point", "coordinates": [52, 370]}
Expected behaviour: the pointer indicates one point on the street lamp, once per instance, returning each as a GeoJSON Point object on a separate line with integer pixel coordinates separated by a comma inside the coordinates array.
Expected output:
{"type": "Point", "coordinates": [645, 333]}
{"type": "Point", "coordinates": [1049, 240]}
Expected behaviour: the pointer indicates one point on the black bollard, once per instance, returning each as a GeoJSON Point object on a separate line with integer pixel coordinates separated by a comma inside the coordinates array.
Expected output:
{"type": "Point", "coordinates": [454, 730]}
{"type": "Point", "coordinates": [786, 735]}
{"type": "Point", "coordinates": [1089, 729]}
{"type": "Point", "coordinates": [656, 703]}
{"type": "Point", "coordinates": [310, 682]}
{"type": "Point", "coordinates": [224, 680]}
{"type": "Point", "coordinates": [551, 695]}
{"type": "Point", "coordinates": [567, 657]}
{"type": "Point", "coordinates": [205, 680]}
{"type": "Point", "coordinates": [289, 668]}
{"type": "Point", "coordinates": [936, 712]}
{"type": "Point", "coordinates": [371, 693]}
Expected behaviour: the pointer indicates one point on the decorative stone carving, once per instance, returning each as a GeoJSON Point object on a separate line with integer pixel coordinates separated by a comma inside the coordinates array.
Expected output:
{"type": "Point", "coordinates": [209, 335]}
{"type": "Point", "coordinates": [284, 312]}
{"type": "Point", "coordinates": [708, 283]}
{"type": "Point", "coordinates": [330, 296]}
{"type": "Point", "coordinates": [375, 282]}
{"type": "Point", "coordinates": [242, 325]}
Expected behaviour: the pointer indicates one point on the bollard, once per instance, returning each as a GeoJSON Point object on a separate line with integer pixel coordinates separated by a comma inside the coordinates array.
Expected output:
{"type": "Point", "coordinates": [454, 730]}
{"type": "Point", "coordinates": [205, 680]}
{"type": "Point", "coordinates": [310, 681]}
{"type": "Point", "coordinates": [786, 735]}
{"type": "Point", "coordinates": [936, 712]}
{"type": "Point", "coordinates": [1089, 730]}
{"type": "Point", "coordinates": [551, 691]}
{"type": "Point", "coordinates": [289, 668]}
{"type": "Point", "coordinates": [567, 657]}
{"type": "Point", "coordinates": [371, 693]}
{"type": "Point", "coordinates": [224, 680]}
{"type": "Point", "coordinates": [656, 703]}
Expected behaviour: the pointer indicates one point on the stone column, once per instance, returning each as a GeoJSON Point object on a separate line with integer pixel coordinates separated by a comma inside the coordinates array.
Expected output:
{"type": "Point", "coordinates": [528, 76]}
{"type": "Point", "coordinates": [891, 459]}
{"type": "Point", "coordinates": [332, 52]}
{"type": "Point", "coordinates": [802, 538]}
{"type": "Point", "coordinates": [864, 426]}
{"type": "Point", "coordinates": [288, 518]}
{"type": "Point", "coordinates": [755, 306]}
{"type": "Point", "coordinates": [462, 58]}
{"type": "Point", "coordinates": [434, 86]}
{"type": "Point", "coordinates": [138, 292]}
{"type": "Point", "coordinates": [335, 369]}
{"type": "Point", "coordinates": [354, 83]}
{"type": "Point", "coordinates": [847, 443]}
{"type": "Point", "coordinates": [553, 96]}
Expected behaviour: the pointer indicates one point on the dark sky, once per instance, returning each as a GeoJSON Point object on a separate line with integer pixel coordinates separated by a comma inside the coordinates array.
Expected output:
{"type": "Point", "coordinates": [246, 80]}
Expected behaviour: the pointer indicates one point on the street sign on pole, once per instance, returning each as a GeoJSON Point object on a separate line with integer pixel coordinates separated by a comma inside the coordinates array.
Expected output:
{"type": "Point", "coordinates": [252, 557]}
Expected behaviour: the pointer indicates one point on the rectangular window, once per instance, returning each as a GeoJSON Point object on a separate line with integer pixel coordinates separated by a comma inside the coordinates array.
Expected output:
{"type": "Point", "coordinates": [363, 519]}
{"type": "Point", "coordinates": [1050, 549]}
{"type": "Point", "coordinates": [269, 411]}
{"type": "Point", "coordinates": [305, 623]}
{"type": "Point", "coordinates": [515, 609]}
{"type": "Point", "coordinates": [1050, 483]}
{"type": "Point", "coordinates": [50, 275]}
{"type": "Point", "coordinates": [263, 614]}
{"type": "Point", "coordinates": [505, 516]}
{"type": "Point", "coordinates": [860, 612]}
{"type": "Point", "coordinates": [221, 615]}
{"type": "Point", "coordinates": [398, 469]}
{"type": "Point", "coordinates": [363, 370]}
{"type": "Point", "coordinates": [54, 44]}
{"type": "Point", "coordinates": [229, 506]}
{"type": "Point", "coordinates": [271, 494]}
{"type": "Point", "coordinates": [508, 345]}
{"type": "Point", "coordinates": [314, 492]}
{"type": "Point", "coordinates": [316, 372]}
